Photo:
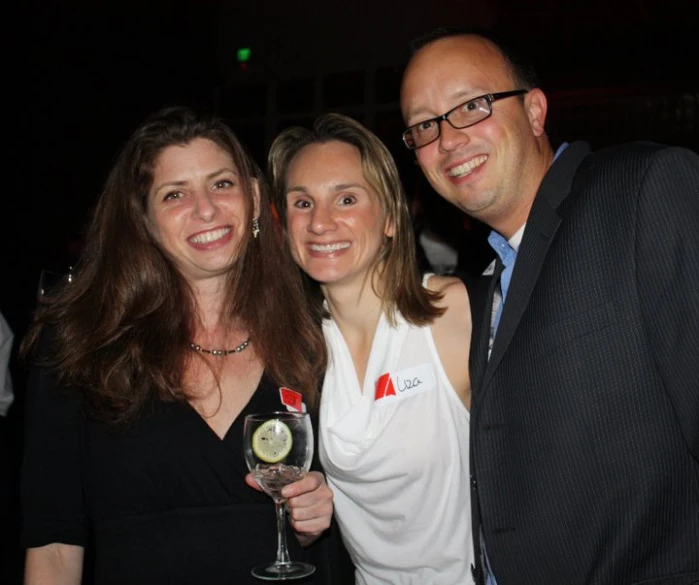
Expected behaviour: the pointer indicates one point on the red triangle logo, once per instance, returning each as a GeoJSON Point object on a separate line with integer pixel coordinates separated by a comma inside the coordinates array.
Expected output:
{"type": "Point", "coordinates": [384, 387]}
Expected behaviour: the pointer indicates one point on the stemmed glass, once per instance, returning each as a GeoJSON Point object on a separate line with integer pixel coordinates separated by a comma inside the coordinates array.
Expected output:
{"type": "Point", "coordinates": [48, 280]}
{"type": "Point", "coordinates": [278, 451]}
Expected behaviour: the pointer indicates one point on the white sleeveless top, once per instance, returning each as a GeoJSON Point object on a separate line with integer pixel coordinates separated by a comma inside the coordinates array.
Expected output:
{"type": "Point", "coordinates": [396, 455]}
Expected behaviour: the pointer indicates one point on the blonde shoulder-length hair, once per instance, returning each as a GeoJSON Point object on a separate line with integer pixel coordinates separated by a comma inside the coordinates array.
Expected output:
{"type": "Point", "coordinates": [399, 279]}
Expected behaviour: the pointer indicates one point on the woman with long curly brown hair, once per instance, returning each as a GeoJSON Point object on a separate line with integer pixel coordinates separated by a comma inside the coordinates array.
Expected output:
{"type": "Point", "coordinates": [184, 314]}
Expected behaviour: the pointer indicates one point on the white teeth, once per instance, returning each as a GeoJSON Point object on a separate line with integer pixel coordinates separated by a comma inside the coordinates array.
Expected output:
{"type": "Point", "coordinates": [329, 247]}
{"type": "Point", "coordinates": [467, 167]}
{"type": "Point", "coordinates": [211, 236]}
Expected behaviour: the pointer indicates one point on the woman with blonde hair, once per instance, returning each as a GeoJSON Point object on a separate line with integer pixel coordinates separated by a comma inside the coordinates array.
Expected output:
{"type": "Point", "coordinates": [394, 422]}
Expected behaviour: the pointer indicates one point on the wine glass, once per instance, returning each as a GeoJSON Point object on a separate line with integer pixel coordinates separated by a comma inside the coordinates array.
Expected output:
{"type": "Point", "coordinates": [278, 451]}
{"type": "Point", "coordinates": [49, 280]}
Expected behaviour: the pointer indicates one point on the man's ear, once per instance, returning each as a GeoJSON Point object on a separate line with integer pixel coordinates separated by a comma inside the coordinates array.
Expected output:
{"type": "Point", "coordinates": [536, 106]}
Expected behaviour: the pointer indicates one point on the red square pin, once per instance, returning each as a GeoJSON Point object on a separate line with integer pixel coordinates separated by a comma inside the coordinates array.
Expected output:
{"type": "Point", "coordinates": [292, 399]}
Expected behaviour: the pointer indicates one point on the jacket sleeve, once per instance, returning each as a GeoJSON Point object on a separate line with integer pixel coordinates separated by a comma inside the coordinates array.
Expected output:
{"type": "Point", "coordinates": [667, 257]}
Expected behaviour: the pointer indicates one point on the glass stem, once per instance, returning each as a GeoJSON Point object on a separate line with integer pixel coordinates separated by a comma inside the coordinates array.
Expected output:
{"type": "Point", "coordinates": [282, 552]}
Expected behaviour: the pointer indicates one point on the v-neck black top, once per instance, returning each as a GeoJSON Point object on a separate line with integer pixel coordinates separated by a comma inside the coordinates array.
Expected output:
{"type": "Point", "coordinates": [162, 502]}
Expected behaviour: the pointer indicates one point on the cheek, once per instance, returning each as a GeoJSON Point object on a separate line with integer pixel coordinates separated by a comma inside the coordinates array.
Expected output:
{"type": "Point", "coordinates": [422, 157]}
{"type": "Point", "coordinates": [494, 133]}
{"type": "Point", "coordinates": [428, 159]}
{"type": "Point", "coordinates": [373, 226]}
{"type": "Point", "coordinates": [297, 253]}
{"type": "Point", "coordinates": [293, 231]}
{"type": "Point", "coordinates": [232, 209]}
{"type": "Point", "coordinates": [153, 225]}
{"type": "Point", "coordinates": [165, 233]}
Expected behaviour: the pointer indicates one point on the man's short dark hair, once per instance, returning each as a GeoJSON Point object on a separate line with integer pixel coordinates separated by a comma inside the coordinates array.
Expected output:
{"type": "Point", "coordinates": [519, 63]}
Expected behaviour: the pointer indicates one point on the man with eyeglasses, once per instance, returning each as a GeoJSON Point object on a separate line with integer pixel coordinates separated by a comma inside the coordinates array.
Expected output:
{"type": "Point", "coordinates": [585, 358]}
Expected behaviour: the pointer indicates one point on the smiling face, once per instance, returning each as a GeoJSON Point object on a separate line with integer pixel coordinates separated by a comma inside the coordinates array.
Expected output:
{"type": "Point", "coordinates": [336, 225]}
{"type": "Point", "coordinates": [493, 169]}
{"type": "Point", "coordinates": [197, 208]}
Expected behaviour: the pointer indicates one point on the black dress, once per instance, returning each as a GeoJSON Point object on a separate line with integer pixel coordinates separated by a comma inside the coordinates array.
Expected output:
{"type": "Point", "coordinates": [162, 502]}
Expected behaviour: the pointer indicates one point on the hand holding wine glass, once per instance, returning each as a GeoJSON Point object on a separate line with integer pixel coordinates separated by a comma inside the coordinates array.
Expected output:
{"type": "Point", "coordinates": [278, 451]}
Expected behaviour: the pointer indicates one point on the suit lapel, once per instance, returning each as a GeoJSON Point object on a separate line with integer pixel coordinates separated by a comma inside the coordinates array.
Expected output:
{"type": "Point", "coordinates": [542, 225]}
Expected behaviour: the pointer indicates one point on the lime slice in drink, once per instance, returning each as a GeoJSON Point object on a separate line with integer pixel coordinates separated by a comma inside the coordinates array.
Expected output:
{"type": "Point", "coordinates": [272, 441]}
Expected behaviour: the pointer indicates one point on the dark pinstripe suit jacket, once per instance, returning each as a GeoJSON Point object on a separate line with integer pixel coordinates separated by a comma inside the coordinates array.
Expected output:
{"type": "Point", "coordinates": [585, 423]}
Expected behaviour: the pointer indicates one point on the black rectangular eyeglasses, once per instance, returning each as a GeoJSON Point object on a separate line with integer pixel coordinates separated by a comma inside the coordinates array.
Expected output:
{"type": "Point", "coordinates": [462, 116]}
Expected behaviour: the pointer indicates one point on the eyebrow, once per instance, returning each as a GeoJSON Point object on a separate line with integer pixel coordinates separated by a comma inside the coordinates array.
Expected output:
{"type": "Point", "coordinates": [208, 177]}
{"type": "Point", "coordinates": [296, 188]}
{"type": "Point", "coordinates": [340, 187]}
{"type": "Point", "coordinates": [344, 186]}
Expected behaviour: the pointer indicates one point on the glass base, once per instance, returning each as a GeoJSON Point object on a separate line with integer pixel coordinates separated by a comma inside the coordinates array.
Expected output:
{"type": "Point", "coordinates": [283, 572]}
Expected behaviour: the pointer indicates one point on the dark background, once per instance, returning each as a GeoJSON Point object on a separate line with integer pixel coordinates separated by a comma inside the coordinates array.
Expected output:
{"type": "Point", "coordinates": [81, 75]}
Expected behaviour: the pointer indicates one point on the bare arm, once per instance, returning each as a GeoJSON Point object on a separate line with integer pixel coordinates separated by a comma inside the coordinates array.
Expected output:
{"type": "Point", "coordinates": [452, 333]}
{"type": "Point", "coordinates": [56, 563]}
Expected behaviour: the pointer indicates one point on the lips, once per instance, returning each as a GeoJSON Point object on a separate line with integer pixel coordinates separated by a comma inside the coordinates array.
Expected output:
{"type": "Point", "coordinates": [210, 236]}
{"type": "Point", "coordinates": [467, 168]}
{"type": "Point", "coordinates": [329, 248]}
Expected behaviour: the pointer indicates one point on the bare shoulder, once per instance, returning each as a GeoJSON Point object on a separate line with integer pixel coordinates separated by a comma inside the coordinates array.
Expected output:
{"type": "Point", "coordinates": [453, 291]}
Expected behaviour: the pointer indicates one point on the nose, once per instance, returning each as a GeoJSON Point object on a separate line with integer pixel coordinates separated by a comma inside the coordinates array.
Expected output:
{"type": "Point", "coordinates": [204, 205]}
{"type": "Point", "coordinates": [451, 138]}
{"type": "Point", "coordinates": [322, 219]}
